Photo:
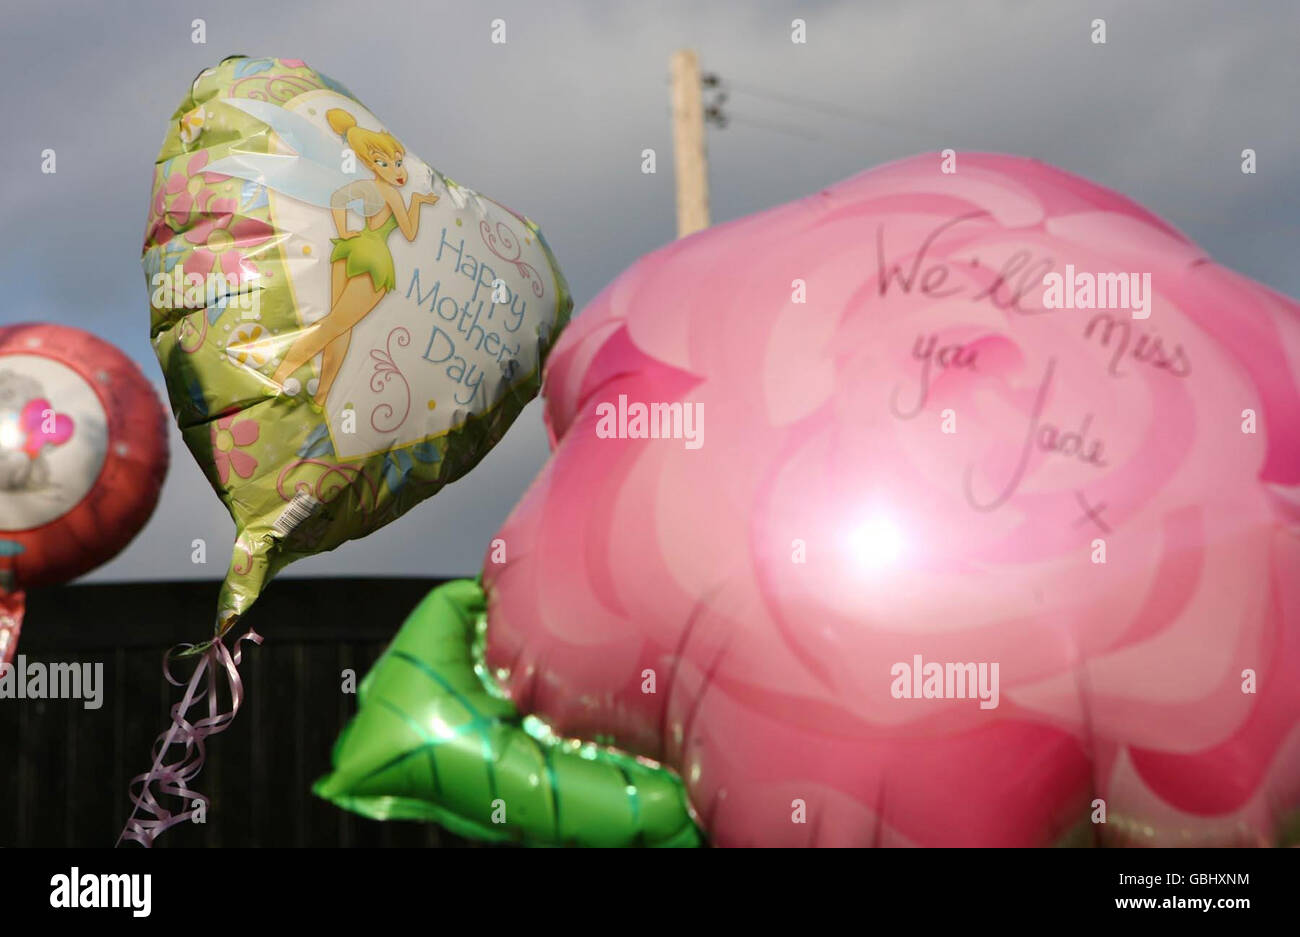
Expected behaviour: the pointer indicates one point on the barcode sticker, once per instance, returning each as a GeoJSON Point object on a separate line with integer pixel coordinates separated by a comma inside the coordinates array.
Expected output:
{"type": "Point", "coordinates": [302, 507]}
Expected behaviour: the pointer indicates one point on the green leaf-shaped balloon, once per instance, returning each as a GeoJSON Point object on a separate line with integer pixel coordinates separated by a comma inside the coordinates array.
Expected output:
{"type": "Point", "coordinates": [434, 739]}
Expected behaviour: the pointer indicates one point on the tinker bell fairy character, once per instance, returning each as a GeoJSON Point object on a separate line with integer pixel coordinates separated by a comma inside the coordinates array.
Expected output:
{"type": "Point", "coordinates": [361, 263]}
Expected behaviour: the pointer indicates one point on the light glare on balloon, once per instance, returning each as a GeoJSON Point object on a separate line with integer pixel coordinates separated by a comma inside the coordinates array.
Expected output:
{"type": "Point", "coordinates": [10, 437]}
{"type": "Point", "coordinates": [877, 544]}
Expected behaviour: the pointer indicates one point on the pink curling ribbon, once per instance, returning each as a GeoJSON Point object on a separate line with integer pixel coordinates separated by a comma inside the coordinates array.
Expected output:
{"type": "Point", "coordinates": [173, 778]}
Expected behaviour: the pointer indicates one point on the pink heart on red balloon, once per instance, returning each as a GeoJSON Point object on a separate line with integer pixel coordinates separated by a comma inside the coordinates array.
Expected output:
{"type": "Point", "coordinates": [43, 427]}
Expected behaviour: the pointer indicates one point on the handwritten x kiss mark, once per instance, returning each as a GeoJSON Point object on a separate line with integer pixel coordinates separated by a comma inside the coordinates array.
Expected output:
{"type": "Point", "coordinates": [1091, 513]}
{"type": "Point", "coordinates": [42, 427]}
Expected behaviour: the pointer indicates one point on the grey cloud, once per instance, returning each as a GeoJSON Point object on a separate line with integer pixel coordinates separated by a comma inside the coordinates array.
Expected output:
{"type": "Point", "coordinates": [553, 123]}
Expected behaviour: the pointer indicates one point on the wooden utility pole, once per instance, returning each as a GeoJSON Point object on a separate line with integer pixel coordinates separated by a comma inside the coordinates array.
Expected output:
{"type": "Point", "coordinates": [691, 163]}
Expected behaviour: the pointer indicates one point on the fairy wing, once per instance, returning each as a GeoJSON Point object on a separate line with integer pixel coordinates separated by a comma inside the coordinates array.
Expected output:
{"type": "Point", "coordinates": [311, 173]}
{"type": "Point", "coordinates": [361, 196]}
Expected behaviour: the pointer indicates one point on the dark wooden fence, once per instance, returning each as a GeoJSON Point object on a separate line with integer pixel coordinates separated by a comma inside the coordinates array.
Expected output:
{"type": "Point", "coordinates": [64, 769]}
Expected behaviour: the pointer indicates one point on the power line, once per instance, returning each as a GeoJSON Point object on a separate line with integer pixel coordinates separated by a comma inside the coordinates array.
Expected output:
{"type": "Point", "coordinates": [718, 113]}
{"type": "Point", "coordinates": [792, 130]}
{"type": "Point", "coordinates": [822, 107]}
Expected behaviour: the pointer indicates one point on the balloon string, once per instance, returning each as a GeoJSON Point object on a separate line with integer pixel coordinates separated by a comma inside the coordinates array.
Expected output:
{"type": "Point", "coordinates": [173, 778]}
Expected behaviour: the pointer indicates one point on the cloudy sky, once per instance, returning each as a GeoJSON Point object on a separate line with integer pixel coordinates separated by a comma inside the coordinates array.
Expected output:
{"type": "Point", "coordinates": [554, 121]}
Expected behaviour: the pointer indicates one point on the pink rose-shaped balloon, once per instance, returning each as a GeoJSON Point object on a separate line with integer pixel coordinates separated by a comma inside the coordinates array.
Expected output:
{"type": "Point", "coordinates": [932, 509]}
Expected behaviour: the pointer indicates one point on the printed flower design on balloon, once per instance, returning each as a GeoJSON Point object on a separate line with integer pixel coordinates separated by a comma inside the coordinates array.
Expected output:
{"type": "Point", "coordinates": [192, 124]}
{"type": "Point", "coordinates": [220, 241]}
{"type": "Point", "coordinates": [157, 205]}
{"type": "Point", "coordinates": [164, 255]}
{"type": "Point", "coordinates": [230, 436]}
{"type": "Point", "coordinates": [183, 192]}
{"type": "Point", "coordinates": [190, 222]}
{"type": "Point", "coordinates": [250, 346]}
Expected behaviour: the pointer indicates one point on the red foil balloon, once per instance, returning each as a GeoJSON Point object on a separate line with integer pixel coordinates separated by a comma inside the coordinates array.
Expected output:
{"type": "Point", "coordinates": [83, 453]}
